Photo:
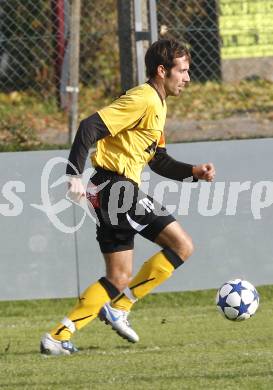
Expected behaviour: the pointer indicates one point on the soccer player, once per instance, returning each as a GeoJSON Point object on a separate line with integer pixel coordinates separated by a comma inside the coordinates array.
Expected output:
{"type": "Point", "coordinates": [129, 134]}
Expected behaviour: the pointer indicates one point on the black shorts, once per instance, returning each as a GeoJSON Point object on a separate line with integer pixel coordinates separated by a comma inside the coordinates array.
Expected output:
{"type": "Point", "coordinates": [123, 210]}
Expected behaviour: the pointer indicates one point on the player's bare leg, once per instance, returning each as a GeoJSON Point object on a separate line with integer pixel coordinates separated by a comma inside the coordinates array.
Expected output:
{"type": "Point", "coordinates": [119, 272]}
{"type": "Point", "coordinates": [177, 239]}
{"type": "Point", "coordinates": [177, 247]}
{"type": "Point", "coordinates": [119, 268]}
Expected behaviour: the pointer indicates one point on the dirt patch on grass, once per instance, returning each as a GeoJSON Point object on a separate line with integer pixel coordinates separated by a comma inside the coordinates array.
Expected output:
{"type": "Point", "coordinates": [235, 127]}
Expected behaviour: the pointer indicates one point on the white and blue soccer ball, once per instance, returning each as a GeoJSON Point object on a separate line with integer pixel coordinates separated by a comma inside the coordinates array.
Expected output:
{"type": "Point", "coordinates": [237, 300]}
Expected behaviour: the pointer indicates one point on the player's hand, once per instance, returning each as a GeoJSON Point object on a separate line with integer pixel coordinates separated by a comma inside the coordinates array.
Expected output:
{"type": "Point", "coordinates": [204, 171]}
{"type": "Point", "coordinates": [76, 190]}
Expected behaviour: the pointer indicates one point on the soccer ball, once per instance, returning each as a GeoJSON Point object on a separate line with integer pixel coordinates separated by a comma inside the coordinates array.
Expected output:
{"type": "Point", "coordinates": [237, 300]}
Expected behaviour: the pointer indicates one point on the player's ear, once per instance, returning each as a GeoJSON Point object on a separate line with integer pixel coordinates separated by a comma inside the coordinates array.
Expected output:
{"type": "Point", "coordinates": [161, 71]}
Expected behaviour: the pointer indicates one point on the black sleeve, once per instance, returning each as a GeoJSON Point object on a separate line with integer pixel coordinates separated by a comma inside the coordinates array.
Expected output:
{"type": "Point", "coordinates": [90, 131]}
{"type": "Point", "coordinates": [166, 166]}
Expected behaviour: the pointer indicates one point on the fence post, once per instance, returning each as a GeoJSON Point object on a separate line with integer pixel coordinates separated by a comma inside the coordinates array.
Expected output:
{"type": "Point", "coordinates": [153, 20]}
{"type": "Point", "coordinates": [73, 87]}
{"type": "Point", "coordinates": [58, 27]}
{"type": "Point", "coordinates": [126, 44]}
{"type": "Point", "coordinates": [145, 32]}
{"type": "Point", "coordinates": [141, 11]}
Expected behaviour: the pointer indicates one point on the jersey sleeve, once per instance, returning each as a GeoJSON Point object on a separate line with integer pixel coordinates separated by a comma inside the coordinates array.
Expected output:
{"type": "Point", "coordinates": [166, 166]}
{"type": "Point", "coordinates": [90, 131]}
{"type": "Point", "coordinates": [124, 113]}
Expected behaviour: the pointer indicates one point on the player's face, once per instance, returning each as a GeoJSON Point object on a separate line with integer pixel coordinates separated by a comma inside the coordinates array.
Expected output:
{"type": "Point", "coordinates": [178, 77]}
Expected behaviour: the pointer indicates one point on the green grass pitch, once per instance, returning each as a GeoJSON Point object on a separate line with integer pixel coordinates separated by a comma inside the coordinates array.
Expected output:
{"type": "Point", "coordinates": [184, 344]}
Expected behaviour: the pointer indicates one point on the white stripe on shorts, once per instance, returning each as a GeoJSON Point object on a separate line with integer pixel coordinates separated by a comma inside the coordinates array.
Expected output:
{"type": "Point", "coordinates": [134, 224]}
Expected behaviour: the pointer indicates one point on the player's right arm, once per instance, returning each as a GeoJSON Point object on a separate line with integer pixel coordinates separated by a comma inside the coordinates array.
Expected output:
{"type": "Point", "coordinates": [91, 130]}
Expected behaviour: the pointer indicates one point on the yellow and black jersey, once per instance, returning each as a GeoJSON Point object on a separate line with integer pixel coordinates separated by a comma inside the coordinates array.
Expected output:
{"type": "Point", "coordinates": [129, 134]}
{"type": "Point", "coordinates": [136, 123]}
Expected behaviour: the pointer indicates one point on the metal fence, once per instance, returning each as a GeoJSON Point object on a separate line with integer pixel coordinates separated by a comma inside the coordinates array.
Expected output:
{"type": "Point", "coordinates": [36, 40]}
{"type": "Point", "coordinates": [195, 22]}
{"type": "Point", "coordinates": [35, 37]}
{"type": "Point", "coordinates": [229, 40]}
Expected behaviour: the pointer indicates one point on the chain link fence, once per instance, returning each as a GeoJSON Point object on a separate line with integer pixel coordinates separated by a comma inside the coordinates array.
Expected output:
{"type": "Point", "coordinates": [230, 40]}
{"type": "Point", "coordinates": [34, 38]}
{"type": "Point", "coordinates": [35, 63]}
{"type": "Point", "coordinates": [196, 23]}
{"type": "Point", "coordinates": [26, 51]}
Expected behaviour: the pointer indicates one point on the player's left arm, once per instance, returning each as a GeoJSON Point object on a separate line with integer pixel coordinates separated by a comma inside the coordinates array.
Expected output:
{"type": "Point", "coordinates": [163, 164]}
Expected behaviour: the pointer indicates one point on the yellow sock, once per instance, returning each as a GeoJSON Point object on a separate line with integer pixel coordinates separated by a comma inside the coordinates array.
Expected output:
{"type": "Point", "coordinates": [90, 303]}
{"type": "Point", "coordinates": [153, 272]}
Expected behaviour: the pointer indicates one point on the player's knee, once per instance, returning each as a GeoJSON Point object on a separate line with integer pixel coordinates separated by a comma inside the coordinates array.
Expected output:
{"type": "Point", "coordinates": [190, 247]}
{"type": "Point", "coordinates": [185, 249]}
{"type": "Point", "coordinates": [120, 280]}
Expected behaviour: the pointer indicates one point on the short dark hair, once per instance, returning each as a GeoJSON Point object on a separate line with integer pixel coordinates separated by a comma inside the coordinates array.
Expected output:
{"type": "Point", "coordinates": [163, 52]}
